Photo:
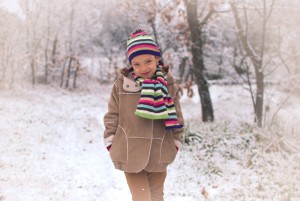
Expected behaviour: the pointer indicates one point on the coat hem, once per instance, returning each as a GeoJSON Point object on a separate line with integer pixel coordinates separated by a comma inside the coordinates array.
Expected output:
{"type": "Point", "coordinates": [122, 167]}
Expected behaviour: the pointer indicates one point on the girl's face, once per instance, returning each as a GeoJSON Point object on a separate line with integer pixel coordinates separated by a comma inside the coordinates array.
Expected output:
{"type": "Point", "coordinates": [144, 65]}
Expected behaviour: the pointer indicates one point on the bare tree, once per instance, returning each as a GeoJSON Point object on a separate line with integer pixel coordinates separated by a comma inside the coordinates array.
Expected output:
{"type": "Point", "coordinates": [198, 61]}
{"type": "Point", "coordinates": [33, 12]}
{"type": "Point", "coordinates": [256, 55]}
{"type": "Point", "coordinates": [46, 51]}
{"type": "Point", "coordinates": [70, 44]}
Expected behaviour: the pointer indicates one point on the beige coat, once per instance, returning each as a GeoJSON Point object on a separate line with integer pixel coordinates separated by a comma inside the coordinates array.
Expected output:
{"type": "Point", "coordinates": [137, 143]}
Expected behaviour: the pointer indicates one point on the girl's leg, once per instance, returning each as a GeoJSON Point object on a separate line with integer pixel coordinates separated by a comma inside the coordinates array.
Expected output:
{"type": "Point", "coordinates": [156, 184]}
{"type": "Point", "coordinates": [139, 186]}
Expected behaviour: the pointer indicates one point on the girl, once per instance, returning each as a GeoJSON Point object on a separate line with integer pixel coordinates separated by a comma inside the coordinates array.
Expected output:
{"type": "Point", "coordinates": [144, 123]}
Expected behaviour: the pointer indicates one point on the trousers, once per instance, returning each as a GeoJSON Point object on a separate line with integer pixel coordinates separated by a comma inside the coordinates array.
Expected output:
{"type": "Point", "coordinates": [146, 186]}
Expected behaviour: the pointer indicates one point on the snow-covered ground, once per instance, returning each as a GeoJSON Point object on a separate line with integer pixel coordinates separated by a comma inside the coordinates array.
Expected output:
{"type": "Point", "coordinates": [51, 148]}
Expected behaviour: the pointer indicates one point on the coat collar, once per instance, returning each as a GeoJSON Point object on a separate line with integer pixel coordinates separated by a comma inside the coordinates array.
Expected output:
{"type": "Point", "coordinates": [131, 86]}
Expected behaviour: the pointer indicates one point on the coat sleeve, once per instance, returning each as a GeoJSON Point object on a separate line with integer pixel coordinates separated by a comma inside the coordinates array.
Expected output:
{"type": "Point", "coordinates": [111, 118]}
{"type": "Point", "coordinates": [178, 132]}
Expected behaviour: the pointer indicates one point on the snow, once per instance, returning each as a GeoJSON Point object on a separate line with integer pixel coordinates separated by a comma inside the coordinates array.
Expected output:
{"type": "Point", "coordinates": [51, 148]}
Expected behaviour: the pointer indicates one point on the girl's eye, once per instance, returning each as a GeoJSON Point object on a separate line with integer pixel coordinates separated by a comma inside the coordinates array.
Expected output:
{"type": "Point", "coordinates": [135, 65]}
{"type": "Point", "coordinates": [149, 61]}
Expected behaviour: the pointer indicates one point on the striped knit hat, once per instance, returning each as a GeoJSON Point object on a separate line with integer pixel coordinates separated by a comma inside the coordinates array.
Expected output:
{"type": "Point", "coordinates": [140, 42]}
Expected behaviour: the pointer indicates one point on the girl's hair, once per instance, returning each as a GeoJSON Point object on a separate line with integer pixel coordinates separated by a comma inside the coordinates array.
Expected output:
{"type": "Point", "coordinates": [165, 69]}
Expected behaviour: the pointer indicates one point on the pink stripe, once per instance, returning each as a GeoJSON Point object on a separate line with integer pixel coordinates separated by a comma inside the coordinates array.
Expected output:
{"type": "Point", "coordinates": [174, 122]}
{"type": "Point", "coordinates": [148, 81]}
{"type": "Point", "coordinates": [169, 100]}
{"type": "Point", "coordinates": [162, 81]}
{"type": "Point", "coordinates": [134, 48]}
{"type": "Point", "coordinates": [143, 46]}
{"type": "Point", "coordinates": [151, 102]}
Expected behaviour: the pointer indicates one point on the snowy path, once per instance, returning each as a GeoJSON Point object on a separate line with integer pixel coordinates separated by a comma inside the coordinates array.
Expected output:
{"type": "Point", "coordinates": [51, 148]}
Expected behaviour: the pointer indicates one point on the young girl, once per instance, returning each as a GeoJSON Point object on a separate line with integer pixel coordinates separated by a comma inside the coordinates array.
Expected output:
{"type": "Point", "coordinates": [144, 123]}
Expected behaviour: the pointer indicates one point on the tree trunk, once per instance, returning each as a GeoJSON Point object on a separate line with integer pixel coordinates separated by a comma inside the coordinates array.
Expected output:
{"type": "Point", "coordinates": [259, 95]}
{"type": "Point", "coordinates": [4, 65]}
{"type": "Point", "coordinates": [12, 77]}
{"type": "Point", "coordinates": [198, 63]}
{"type": "Point", "coordinates": [63, 74]}
{"type": "Point", "coordinates": [32, 66]}
{"type": "Point", "coordinates": [46, 63]}
{"type": "Point", "coordinates": [75, 73]}
{"type": "Point", "coordinates": [182, 67]}
{"type": "Point", "coordinates": [54, 52]}
{"type": "Point", "coordinates": [69, 71]}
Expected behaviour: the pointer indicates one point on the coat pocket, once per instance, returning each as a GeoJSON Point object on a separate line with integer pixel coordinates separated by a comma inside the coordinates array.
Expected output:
{"type": "Point", "coordinates": [119, 147]}
{"type": "Point", "coordinates": [168, 149]}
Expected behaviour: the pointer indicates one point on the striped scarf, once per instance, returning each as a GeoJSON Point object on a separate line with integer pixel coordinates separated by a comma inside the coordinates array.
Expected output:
{"type": "Point", "coordinates": [155, 101]}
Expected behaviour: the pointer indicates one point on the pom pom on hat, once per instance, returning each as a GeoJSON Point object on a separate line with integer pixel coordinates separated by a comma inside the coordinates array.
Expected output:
{"type": "Point", "coordinates": [140, 42]}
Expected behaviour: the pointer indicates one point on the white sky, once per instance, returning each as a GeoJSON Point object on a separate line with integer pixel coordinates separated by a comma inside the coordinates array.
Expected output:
{"type": "Point", "coordinates": [11, 5]}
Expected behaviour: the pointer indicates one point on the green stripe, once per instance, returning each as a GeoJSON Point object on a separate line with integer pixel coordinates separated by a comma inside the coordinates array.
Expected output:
{"type": "Point", "coordinates": [150, 116]}
{"type": "Point", "coordinates": [152, 94]}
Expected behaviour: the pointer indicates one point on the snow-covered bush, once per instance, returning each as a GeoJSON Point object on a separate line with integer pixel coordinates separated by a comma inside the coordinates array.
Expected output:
{"type": "Point", "coordinates": [224, 161]}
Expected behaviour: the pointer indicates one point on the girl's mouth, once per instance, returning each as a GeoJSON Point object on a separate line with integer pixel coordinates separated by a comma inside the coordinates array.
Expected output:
{"type": "Point", "coordinates": [145, 74]}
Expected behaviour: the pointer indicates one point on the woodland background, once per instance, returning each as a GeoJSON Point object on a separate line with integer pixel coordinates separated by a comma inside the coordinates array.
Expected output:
{"type": "Point", "coordinates": [237, 65]}
{"type": "Point", "coordinates": [71, 43]}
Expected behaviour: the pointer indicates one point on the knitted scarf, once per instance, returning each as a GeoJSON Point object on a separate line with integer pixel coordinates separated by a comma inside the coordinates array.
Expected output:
{"type": "Point", "coordinates": [155, 101]}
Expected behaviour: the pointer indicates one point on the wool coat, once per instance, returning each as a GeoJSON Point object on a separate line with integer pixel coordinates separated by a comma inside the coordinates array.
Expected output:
{"type": "Point", "coordinates": [138, 143]}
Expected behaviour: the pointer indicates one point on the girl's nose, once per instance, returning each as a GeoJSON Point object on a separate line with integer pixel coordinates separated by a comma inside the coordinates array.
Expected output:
{"type": "Point", "coordinates": [142, 68]}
